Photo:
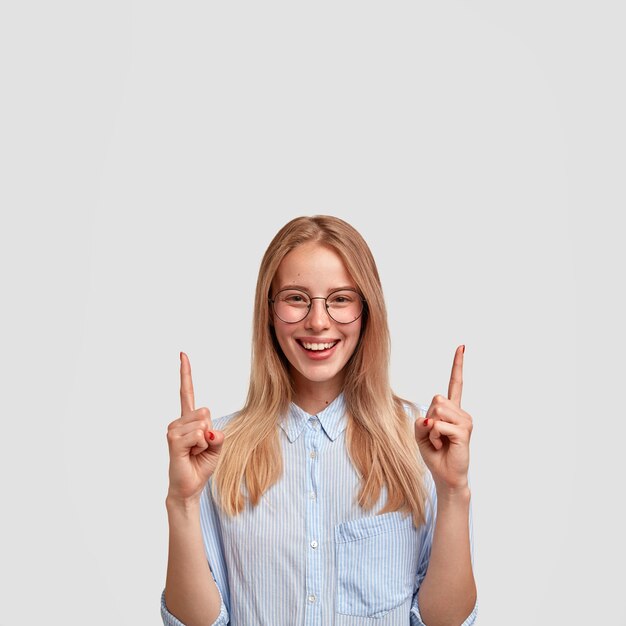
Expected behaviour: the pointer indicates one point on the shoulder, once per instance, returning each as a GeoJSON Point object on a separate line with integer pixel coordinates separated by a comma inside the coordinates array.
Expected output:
{"type": "Point", "coordinates": [414, 409]}
{"type": "Point", "coordinates": [220, 423]}
{"type": "Point", "coordinates": [423, 409]}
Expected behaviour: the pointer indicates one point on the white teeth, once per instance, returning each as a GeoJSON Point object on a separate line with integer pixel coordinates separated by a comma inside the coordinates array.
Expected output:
{"type": "Point", "coordinates": [318, 346]}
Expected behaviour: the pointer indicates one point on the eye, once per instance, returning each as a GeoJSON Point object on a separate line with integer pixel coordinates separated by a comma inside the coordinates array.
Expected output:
{"type": "Point", "coordinates": [294, 298]}
{"type": "Point", "coordinates": [342, 298]}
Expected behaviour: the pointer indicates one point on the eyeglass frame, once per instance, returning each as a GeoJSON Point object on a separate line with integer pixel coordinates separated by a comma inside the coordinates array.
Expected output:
{"type": "Point", "coordinates": [310, 306]}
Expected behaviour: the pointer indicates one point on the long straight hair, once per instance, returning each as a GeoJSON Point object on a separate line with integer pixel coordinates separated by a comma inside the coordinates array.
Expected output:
{"type": "Point", "coordinates": [379, 434]}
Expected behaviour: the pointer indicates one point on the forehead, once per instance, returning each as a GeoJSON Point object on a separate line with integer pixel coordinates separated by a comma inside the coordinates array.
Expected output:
{"type": "Point", "coordinates": [314, 266]}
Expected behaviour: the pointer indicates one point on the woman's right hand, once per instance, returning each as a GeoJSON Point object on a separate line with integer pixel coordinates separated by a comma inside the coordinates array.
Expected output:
{"type": "Point", "coordinates": [194, 447]}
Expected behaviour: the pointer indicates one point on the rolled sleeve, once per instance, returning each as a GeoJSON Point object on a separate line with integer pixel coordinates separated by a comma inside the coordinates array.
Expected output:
{"type": "Point", "coordinates": [416, 618]}
{"type": "Point", "coordinates": [171, 620]}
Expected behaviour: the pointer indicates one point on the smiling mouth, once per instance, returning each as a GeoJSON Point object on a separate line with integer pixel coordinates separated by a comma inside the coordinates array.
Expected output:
{"type": "Point", "coordinates": [317, 347]}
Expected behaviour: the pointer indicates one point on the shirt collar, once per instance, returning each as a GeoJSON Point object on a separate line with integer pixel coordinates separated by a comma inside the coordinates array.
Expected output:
{"type": "Point", "coordinates": [332, 419]}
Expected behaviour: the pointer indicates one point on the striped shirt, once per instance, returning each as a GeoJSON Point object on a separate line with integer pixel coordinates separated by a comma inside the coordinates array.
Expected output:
{"type": "Point", "coordinates": [308, 554]}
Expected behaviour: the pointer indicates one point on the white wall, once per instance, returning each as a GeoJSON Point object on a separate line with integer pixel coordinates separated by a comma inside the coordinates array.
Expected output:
{"type": "Point", "coordinates": [149, 152]}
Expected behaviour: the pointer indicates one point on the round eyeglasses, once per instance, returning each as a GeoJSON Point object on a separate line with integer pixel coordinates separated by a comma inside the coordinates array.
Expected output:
{"type": "Point", "coordinates": [344, 306]}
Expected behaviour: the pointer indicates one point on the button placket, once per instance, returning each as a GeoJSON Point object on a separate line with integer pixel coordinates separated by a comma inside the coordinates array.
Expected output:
{"type": "Point", "coordinates": [314, 569]}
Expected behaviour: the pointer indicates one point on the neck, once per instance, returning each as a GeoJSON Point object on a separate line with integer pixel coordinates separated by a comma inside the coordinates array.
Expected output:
{"type": "Point", "coordinates": [314, 397]}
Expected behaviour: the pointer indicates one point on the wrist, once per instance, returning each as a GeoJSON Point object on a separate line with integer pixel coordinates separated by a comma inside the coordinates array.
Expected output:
{"type": "Point", "coordinates": [459, 494]}
{"type": "Point", "coordinates": [176, 505]}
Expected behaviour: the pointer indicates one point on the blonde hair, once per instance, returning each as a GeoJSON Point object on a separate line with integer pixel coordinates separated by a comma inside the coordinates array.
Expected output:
{"type": "Point", "coordinates": [379, 434]}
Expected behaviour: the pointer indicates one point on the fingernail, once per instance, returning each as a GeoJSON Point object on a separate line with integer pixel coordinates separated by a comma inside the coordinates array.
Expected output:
{"type": "Point", "coordinates": [181, 356]}
{"type": "Point", "coordinates": [211, 435]}
{"type": "Point", "coordinates": [426, 421]}
{"type": "Point", "coordinates": [463, 348]}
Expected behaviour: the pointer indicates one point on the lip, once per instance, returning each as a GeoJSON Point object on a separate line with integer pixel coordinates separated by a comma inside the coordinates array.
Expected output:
{"type": "Point", "coordinates": [318, 355]}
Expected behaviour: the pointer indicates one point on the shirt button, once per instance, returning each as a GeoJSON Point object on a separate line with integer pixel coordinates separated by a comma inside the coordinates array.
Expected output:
{"type": "Point", "coordinates": [312, 495]}
{"type": "Point", "coordinates": [314, 544]}
{"type": "Point", "coordinates": [311, 598]}
{"type": "Point", "coordinates": [312, 455]}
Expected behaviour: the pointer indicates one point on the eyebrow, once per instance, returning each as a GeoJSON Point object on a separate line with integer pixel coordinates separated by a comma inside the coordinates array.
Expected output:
{"type": "Point", "coordinates": [303, 288]}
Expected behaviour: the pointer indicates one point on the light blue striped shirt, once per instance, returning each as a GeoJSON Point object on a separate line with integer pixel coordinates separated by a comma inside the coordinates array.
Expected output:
{"type": "Point", "coordinates": [308, 554]}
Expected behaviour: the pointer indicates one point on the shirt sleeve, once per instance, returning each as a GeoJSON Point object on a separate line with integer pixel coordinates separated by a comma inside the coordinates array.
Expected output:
{"type": "Point", "coordinates": [424, 556]}
{"type": "Point", "coordinates": [170, 620]}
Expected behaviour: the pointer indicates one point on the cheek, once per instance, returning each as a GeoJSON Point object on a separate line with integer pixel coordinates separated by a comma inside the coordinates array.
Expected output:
{"type": "Point", "coordinates": [359, 336]}
{"type": "Point", "coordinates": [281, 336]}
{"type": "Point", "coordinates": [354, 339]}
{"type": "Point", "coordinates": [278, 335]}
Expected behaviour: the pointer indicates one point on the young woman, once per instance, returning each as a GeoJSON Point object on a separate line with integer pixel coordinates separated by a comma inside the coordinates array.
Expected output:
{"type": "Point", "coordinates": [327, 499]}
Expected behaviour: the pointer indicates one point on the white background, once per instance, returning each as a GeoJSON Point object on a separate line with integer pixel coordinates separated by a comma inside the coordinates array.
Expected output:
{"type": "Point", "coordinates": [150, 151]}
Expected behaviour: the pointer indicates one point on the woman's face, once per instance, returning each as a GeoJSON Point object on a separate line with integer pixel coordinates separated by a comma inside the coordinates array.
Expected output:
{"type": "Point", "coordinates": [318, 270]}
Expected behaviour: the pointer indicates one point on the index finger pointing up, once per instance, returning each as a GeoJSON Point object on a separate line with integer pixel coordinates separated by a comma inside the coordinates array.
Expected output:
{"type": "Point", "coordinates": [455, 388]}
{"type": "Point", "coordinates": [187, 403]}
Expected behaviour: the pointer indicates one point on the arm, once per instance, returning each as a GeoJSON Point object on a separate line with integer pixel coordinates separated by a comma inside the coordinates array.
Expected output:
{"type": "Point", "coordinates": [191, 595]}
{"type": "Point", "coordinates": [447, 594]}
{"type": "Point", "coordinates": [448, 591]}
{"type": "Point", "coordinates": [190, 591]}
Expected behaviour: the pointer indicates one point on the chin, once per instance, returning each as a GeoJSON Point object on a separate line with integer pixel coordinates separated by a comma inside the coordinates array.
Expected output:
{"type": "Point", "coordinates": [317, 375]}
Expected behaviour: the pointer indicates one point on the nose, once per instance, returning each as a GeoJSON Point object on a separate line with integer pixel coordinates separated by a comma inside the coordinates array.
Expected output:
{"type": "Point", "coordinates": [318, 317]}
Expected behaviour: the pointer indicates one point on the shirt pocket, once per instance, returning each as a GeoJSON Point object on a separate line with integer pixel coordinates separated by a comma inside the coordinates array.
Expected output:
{"type": "Point", "coordinates": [376, 560]}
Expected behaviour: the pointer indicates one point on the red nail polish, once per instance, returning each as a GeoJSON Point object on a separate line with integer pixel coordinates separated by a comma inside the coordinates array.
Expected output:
{"type": "Point", "coordinates": [211, 435]}
{"type": "Point", "coordinates": [463, 348]}
{"type": "Point", "coordinates": [426, 421]}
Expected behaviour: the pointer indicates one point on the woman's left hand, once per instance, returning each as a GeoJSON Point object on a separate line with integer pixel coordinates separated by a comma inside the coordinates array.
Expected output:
{"type": "Point", "coordinates": [443, 435]}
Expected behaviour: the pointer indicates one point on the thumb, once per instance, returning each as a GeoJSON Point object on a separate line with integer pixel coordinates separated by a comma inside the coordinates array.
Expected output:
{"type": "Point", "coordinates": [209, 457]}
{"type": "Point", "coordinates": [423, 426]}
{"type": "Point", "coordinates": [215, 439]}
